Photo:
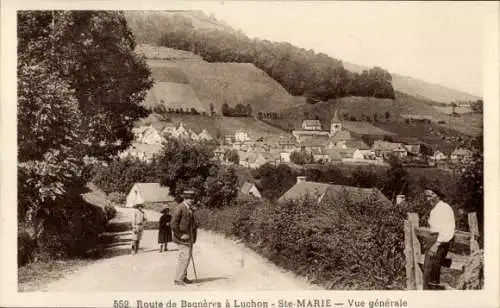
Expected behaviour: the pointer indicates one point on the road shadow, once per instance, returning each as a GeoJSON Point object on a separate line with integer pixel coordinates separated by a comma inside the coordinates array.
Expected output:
{"type": "Point", "coordinates": [208, 279]}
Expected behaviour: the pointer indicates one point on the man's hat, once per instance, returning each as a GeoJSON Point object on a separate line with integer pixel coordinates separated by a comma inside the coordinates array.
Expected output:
{"type": "Point", "coordinates": [436, 190]}
{"type": "Point", "coordinates": [189, 193]}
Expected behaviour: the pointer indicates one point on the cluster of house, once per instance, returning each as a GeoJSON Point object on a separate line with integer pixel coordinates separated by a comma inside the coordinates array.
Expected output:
{"type": "Point", "coordinates": [341, 143]}
{"type": "Point", "coordinates": [148, 139]}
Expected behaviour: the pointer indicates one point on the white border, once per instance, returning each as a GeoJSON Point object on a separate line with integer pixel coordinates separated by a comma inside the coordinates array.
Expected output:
{"type": "Point", "coordinates": [9, 296]}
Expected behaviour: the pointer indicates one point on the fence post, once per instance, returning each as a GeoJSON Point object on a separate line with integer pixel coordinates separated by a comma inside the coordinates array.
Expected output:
{"type": "Point", "coordinates": [414, 223]}
{"type": "Point", "coordinates": [410, 263]}
{"type": "Point", "coordinates": [474, 232]}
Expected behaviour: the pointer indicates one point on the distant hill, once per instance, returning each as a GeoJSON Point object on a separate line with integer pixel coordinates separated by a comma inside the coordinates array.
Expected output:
{"type": "Point", "coordinates": [176, 72]}
{"type": "Point", "coordinates": [420, 89]}
{"type": "Point", "coordinates": [366, 108]}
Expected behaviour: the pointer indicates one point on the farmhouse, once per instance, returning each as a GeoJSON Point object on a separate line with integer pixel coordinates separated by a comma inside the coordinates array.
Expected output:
{"type": "Point", "coordinates": [311, 125]}
{"type": "Point", "coordinates": [142, 151]}
{"type": "Point", "coordinates": [323, 192]}
{"type": "Point", "coordinates": [148, 193]}
{"type": "Point", "coordinates": [385, 149]}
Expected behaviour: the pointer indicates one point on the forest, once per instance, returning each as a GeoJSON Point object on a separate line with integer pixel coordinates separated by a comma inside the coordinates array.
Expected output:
{"type": "Point", "coordinates": [316, 76]}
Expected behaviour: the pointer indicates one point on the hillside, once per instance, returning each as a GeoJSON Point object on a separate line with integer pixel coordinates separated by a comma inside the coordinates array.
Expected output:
{"type": "Point", "coordinates": [366, 108]}
{"type": "Point", "coordinates": [146, 24]}
{"type": "Point", "coordinates": [419, 88]}
{"type": "Point", "coordinates": [211, 83]}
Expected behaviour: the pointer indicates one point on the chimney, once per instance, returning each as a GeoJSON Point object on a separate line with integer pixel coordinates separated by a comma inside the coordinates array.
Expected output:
{"type": "Point", "coordinates": [400, 199]}
{"type": "Point", "coordinates": [301, 179]}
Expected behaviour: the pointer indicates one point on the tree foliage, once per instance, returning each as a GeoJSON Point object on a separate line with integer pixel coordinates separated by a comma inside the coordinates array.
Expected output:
{"type": "Point", "coordinates": [79, 86]}
{"type": "Point", "coordinates": [184, 164]}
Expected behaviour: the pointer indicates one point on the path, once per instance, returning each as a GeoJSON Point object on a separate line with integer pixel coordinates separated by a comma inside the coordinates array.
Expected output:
{"type": "Point", "coordinates": [221, 264]}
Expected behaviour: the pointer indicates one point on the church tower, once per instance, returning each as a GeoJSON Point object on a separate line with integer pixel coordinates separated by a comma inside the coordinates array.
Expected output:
{"type": "Point", "coordinates": [336, 123]}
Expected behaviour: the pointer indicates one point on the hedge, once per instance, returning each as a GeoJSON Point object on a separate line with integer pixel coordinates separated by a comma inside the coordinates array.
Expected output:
{"type": "Point", "coordinates": [340, 244]}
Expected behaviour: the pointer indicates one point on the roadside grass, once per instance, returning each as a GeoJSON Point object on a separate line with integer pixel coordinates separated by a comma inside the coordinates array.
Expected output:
{"type": "Point", "coordinates": [34, 276]}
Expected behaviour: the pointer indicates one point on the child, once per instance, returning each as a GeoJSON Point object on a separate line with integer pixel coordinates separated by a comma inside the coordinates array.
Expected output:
{"type": "Point", "coordinates": [164, 230]}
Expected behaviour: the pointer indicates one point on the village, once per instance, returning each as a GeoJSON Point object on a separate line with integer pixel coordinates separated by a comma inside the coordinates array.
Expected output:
{"type": "Point", "coordinates": [343, 143]}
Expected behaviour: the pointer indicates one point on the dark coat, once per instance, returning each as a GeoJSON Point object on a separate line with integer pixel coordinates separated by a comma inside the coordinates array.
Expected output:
{"type": "Point", "coordinates": [184, 222]}
{"type": "Point", "coordinates": [164, 230]}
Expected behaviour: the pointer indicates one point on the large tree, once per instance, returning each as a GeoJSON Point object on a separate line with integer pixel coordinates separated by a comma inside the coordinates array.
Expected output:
{"type": "Point", "coordinates": [79, 88]}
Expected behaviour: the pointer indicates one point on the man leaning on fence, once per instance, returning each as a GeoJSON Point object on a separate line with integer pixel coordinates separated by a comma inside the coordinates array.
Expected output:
{"type": "Point", "coordinates": [442, 222]}
{"type": "Point", "coordinates": [184, 228]}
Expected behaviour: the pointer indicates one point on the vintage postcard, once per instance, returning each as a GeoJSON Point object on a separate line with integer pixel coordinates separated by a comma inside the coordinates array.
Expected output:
{"type": "Point", "coordinates": [249, 154]}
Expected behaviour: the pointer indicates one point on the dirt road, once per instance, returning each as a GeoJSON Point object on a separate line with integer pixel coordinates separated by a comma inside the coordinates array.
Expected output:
{"type": "Point", "coordinates": [221, 264]}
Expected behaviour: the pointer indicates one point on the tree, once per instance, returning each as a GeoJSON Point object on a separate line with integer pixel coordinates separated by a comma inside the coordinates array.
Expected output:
{"type": "Point", "coordinates": [221, 187]}
{"type": "Point", "coordinates": [471, 181]}
{"type": "Point", "coordinates": [226, 110]}
{"type": "Point", "coordinates": [74, 44]}
{"type": "Point", "coordinates": [232, 156]}
{"type": "Point", "coordinates": [387, 115]}
{"type": "Point", "coordinates": [397, 179]}
{"type": "Point", "coordinates": [79, 88]}
{"type": "Point", "coordinates": [212, 110]}
{"type": "Point", "coordinates": [274, 181]}
{"type": "Point", "coordinates": [301, 158]}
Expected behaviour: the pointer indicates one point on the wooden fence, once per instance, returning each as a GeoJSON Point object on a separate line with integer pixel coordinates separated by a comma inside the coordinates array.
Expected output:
{"type": "Point", "coordinates": [415, 257]}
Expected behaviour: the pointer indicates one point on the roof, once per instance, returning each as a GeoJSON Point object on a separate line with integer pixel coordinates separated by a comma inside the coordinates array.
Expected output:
{"type": "Point", "coordinates": [153, 192]}
{"type": "Point", "coordinates": [355, 194]}
{"type": "Point", "coordinates": [341, 136]}
{"type": "Point", "coordinates": [311, 132]}
{"type": "Point", "coordinates": [311, 123]}
{"type": "Point", "coordinates": [332, 193]}
{"type": "Point", "coordinates": [246, 187]}
{"type": "Point", "coordinates": [380, 145]}
{"type": "Point", "coordinates": [300, 190]}
{"type": "Point", "coordinates": [314, 141]}
{"type": "Point", "coordinates": [334, 154]}
{"type": "Point", "coordinates": [365, 128]}
{"type": "Point", "coordinates": [357, 144]}
{"type": "Point", "coordinates": [346, 153]}
{"type": "Point", "coordinates": [336, 118]}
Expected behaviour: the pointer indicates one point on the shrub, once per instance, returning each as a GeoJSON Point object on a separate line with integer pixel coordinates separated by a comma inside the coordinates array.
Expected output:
{"type": "Point", "coordinates": [341, 244]}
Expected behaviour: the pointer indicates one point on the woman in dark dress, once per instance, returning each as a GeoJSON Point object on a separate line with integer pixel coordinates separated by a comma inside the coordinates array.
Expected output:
{"type": "Point", "coordinates": [164, 230]}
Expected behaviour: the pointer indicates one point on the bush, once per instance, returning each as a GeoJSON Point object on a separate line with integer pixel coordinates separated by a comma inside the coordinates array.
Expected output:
{"type": "Point", "coordinates": [26, 248]}
{"type": "Point", "coordinates": [109, 212]}
{"type": "Point", "coordinates": [341, 244]}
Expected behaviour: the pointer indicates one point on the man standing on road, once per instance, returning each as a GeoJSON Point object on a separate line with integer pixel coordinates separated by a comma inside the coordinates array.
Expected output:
{"type": "Point", "coordinates": [138, 223]}
{"type": "Point", "coordinates": [442, 222]}
{"type": "Point", "coordinates": [184, 227]}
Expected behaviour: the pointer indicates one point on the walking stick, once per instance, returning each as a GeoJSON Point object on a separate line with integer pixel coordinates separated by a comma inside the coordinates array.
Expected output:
{"type": "Point", "coordinates": [191, 253]}
{"type": "Point", "coordinates": [192, 261]}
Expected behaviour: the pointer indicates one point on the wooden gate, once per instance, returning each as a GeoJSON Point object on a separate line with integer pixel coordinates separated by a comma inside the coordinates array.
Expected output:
{"type": "Point", "coordinates": [414, 256]}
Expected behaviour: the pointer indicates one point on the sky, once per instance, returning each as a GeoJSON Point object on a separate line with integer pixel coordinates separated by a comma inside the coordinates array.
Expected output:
{"type": "Point", "coordinates": [439, 42]}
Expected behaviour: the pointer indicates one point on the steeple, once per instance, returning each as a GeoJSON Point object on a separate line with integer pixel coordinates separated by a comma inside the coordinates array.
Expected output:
{"type": "Point", "coordinates": [336, 118]}
{"type": "Point", "coordinates": [336, 123]}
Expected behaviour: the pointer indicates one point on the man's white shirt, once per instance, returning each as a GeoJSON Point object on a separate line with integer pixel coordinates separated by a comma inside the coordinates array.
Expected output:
{"type": "Point", "coordinates": [442, 220]}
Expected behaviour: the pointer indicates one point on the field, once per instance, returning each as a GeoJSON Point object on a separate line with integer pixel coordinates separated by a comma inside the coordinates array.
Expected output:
{"type": "Point", "coordinates": [222, 126]}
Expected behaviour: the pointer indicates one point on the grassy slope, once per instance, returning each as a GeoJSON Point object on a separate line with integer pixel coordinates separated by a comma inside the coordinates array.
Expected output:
{"type": "Point", "coordinates": [360, 107]}
{"type": "Point", "coordinates": [229, 125]}
{"type": "Point", "coordinates": [216, 83]}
